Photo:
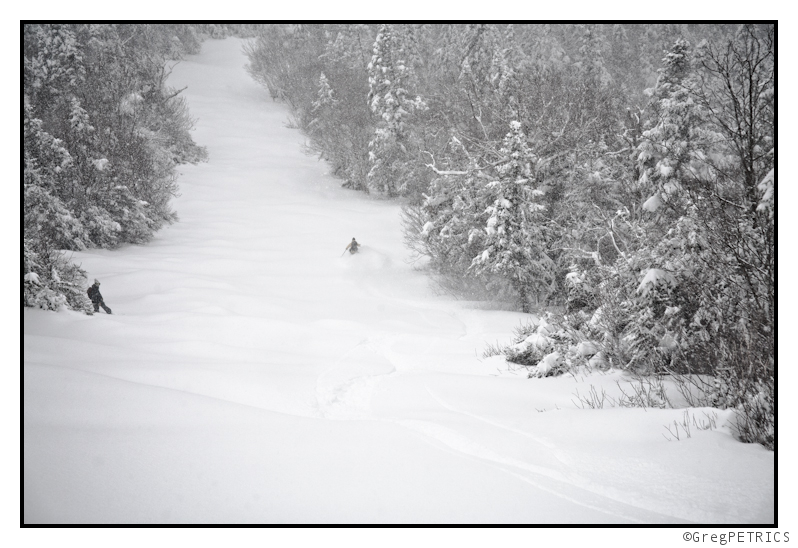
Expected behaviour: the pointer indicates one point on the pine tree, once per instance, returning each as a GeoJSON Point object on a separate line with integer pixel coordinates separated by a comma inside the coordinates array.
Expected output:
{"type": "Point", "coordinates": [48, 280]}
{"type": "Point", "coordinates": [515, 246]}
{"type": "Point", "coordinates": [342, 123]}
{"type": "Point", "coordinates": [389, 99]}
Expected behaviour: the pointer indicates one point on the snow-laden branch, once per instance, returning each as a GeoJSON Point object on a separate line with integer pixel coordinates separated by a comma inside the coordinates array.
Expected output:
{"type": "Point", "coordinates": [175, 94]}
{"type": "Point", "coordinates": [439, 172]}
{"type": "Point", "coordinates": [454, 172]}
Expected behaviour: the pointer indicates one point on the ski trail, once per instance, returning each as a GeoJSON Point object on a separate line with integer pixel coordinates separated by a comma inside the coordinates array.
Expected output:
{"type": "Point", "coordinates": [546, 443]}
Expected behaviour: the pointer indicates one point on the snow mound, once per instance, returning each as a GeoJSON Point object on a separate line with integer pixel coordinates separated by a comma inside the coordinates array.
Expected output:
{"type": "Point", "coordinates": [586, 348]}
{"type": "Point", "coordinates": [654, 277]}
{"type": "Point", "coordinates": [535, 340]}
{"type": "Point", "coordinates": [653, 203]}
{"type": "Point", "coordinates": [547, 365]}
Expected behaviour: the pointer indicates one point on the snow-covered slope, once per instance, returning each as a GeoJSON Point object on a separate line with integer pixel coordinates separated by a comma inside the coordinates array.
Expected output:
{"type": "Point", "coordinates": [253, 374]}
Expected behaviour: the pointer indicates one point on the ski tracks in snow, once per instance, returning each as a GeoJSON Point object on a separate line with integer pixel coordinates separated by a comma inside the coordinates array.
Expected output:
{"type": "Point", "coordinates": [346, 388]}
{"type": "Point", "coordinates": [555, 477]}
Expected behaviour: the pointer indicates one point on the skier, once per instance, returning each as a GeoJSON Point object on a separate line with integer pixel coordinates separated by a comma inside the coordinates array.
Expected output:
{"type": "Point", "coordinates": [97, 298]}
{"type": "Point", "coordinates": [352, 247]}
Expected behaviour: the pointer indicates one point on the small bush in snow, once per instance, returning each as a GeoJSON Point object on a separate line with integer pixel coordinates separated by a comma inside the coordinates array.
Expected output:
{"type": "Point", "coordinates": [51, 282]}
{"type": "Point", "coordinates": [547, 348]}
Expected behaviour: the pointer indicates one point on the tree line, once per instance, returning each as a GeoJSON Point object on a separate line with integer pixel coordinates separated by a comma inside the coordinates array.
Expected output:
{"type": "Point", "coordinates": [622, 175]}
{"type": "Point", "coordinates": [102, 134]}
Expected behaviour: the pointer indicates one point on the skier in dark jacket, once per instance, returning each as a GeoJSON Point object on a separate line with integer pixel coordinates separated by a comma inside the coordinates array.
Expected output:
{"type": "Point", "coordinates": [97, 298]}
{"type": "Point", "coordinates": [352, 247]}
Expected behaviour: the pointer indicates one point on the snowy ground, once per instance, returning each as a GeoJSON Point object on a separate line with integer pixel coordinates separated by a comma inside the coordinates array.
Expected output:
{"type": "Point", "coordinates": [252, 374]}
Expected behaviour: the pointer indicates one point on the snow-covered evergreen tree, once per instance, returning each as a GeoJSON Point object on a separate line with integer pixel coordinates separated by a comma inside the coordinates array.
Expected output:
{"type": "Point", "coordinates": [670, 149]}
{"type": "Point", "coordinates": [391, 149]}
{"type": "Point", "coordinates": [48, 280]}
{"type": "Point", "coordinates": [515, 246]}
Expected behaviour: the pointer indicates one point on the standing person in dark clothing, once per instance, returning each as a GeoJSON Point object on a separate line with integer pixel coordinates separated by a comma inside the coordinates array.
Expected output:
{"type": "Point", "coordinates": [97, 298]}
